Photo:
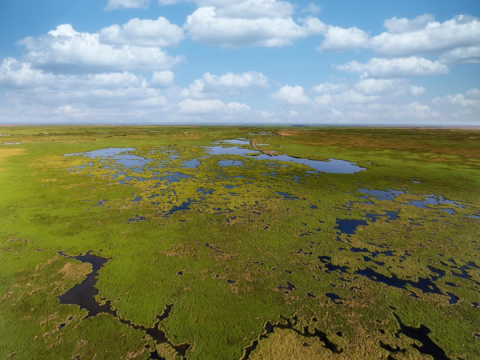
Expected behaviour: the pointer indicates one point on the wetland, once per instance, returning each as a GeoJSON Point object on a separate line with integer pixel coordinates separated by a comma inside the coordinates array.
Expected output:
{"type": "Point", "coordinates": [239, 243]}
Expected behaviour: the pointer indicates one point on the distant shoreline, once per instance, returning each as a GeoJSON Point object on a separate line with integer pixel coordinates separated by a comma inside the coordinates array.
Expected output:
{"type": "Point", "coordinates": [396, 126]}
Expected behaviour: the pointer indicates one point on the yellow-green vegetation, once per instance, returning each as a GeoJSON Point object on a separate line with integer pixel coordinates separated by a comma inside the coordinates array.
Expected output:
{"type": "Point", "coordinates": [254, 255]}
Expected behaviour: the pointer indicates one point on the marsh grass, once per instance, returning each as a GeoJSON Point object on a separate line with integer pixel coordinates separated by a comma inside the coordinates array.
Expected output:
{"type": "Point", "coordinates": [48, 205]}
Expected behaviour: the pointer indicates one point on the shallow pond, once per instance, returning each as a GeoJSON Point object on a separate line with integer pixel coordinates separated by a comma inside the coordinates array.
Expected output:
{"type": "Point", "coordinates": [332, 166]}
{"type": "Point", "coordinates": [119, 155]}
{"type": "Point", "coordinates": [435, 200]}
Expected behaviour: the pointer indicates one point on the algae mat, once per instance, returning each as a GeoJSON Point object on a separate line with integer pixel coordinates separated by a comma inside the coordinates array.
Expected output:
{"type": "Point", "coordinates": [239, 243]}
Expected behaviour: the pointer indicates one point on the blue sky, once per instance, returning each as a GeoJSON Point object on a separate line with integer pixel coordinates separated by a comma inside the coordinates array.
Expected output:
{"type": "Point", "coordinates": [339, 62]}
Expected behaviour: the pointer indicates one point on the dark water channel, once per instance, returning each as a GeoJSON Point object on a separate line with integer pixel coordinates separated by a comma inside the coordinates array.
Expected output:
{"type": "Point", "coordinates": [183, 206]}
{"type": "Point", "coordinates": [426, 285]}
{"type": "Point", "coordinates": [420, 334]}
{"type": "Point", "coordinates": [290, 325]}
{"type": "Point", "coordinates": [83, 295]}
{"type": "Point", "coordinates": [427, 347]}
{"type": "Point", "coordinates": [287, 196]}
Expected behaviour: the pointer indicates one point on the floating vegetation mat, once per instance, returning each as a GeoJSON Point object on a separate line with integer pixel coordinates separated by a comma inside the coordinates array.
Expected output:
{"type": "Point", "coordinates": [239, 243]}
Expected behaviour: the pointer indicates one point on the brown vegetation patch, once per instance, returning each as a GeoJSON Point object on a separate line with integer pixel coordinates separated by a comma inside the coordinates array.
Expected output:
{"type": "Point", "coordinates": [453, 143]}
{"type": "Point", "coordinates": [75, 271]}
{"type": "Point", "coordinates": [4, 153]}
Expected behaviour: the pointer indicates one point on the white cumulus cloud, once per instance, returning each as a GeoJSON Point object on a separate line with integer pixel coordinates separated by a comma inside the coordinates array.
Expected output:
{"type": "Point", "coordinates": [457, 40]}
{"type": "Point", "coordinates": [424, 36]}
{"type": "Point", "coordinates": [17, 74]}
{"type": "Point", "coordinates": [469, 100]}
{"type": "Point", "coordinates": [255, 9]}
{"type": "Point", "coordinates": [66, 48]}
{"type": "Point", "coordinates": [244, 9]}
{"type": "Point", "coordinates": [210, 84]}
{"type": "Point", "coordinates": [388, 87]}
{"type": "Point", "coordinates": [330, 87]}
{"type": "Point", "coordinates": [312, 8]}
{"type": "Point", "coordinates": [194, 90]}
{"type": "Point", "coordinates": [417, 90]}
{"type": "Point", "coordinates": [340, 39]}
{"type": "Point", "coordinates": [473, 93]}
{"type": "Point", "coordinates": [211, 106]}
{"type": "Point", "coordinates": [135, 4]}
{"type": "Point", "coordinates": [404, 25]}
{"type": "Point", "coordinates": [162, 79]}
{"type": "Point", "coordinates": [354, 97]}
{"type": "Point", "coordinates": [392, 68]}
{"type": "Point", "coordinates": [155, 33]}
{"type": "Point", "coordinates": [465, 55]}
{"type": "Point", "coordinates": [247, 80]}
{"type": "Point", "coordinates": [207, 26]}
{"type": "Point", "coordinates": [292, 95]}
